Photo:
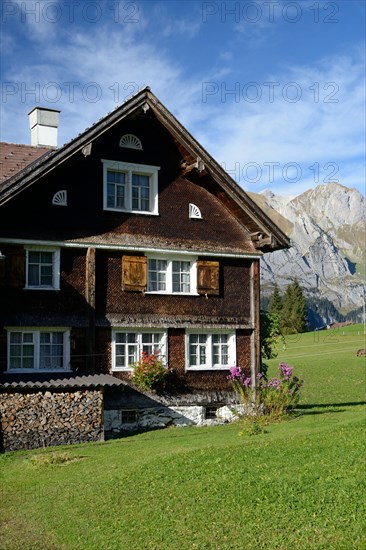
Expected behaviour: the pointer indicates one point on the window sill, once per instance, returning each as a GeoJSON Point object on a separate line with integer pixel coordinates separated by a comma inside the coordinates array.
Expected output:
{"type": "Point", "coordinates": [48, 288]}
{"type": "Point", "coordinates": [122, 211]}
{"type": "Point", "coordinates": [193, 369]}
{"type": "Point", "coordinates": [163, 293]}
{"type": "Point", "coordinates": [121, 369]}
{"type": "Point", "coordinates": [37, 371]}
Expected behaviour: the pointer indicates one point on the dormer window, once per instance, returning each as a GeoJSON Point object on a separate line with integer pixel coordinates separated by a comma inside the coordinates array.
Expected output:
{"type": "Point", "coordinates": [130, 187]}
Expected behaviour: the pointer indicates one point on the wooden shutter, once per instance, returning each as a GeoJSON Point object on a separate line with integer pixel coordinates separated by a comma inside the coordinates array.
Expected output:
{"type": "Point", "coordinates": [134, 273]}
{"type": "Point", "coordinates": [15, 268]}
{"type": "Point", "coordinates": [2, 272]}
{"type": "Point", "coordinates": [208, 277]}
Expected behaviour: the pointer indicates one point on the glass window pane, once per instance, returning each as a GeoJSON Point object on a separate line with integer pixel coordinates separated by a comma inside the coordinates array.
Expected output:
{"type": "Point", "coordinates": [33, 275]}
{"type": "Point", "coordinates": [28, 350]}
{"type": "Point", "coordinates": [15, 337]}
{"type": "Point", "coordinates": [57, 337]}
{"type": "Point", "coordinates": [34, 257]}
{"type": "Point", "coordinates": [146, 337]}
{"type": "Point", "coordinates": [46, 257]}
{"type": "Point", "coordinates": [132, 354]}
{"type": "Point", "coordinates": [15, 350]}
{"type": "Point", "coordinates": [120, 360]}
{"type": "Point", "coordinates": [181, 276]}
{"type": "Point", "coordinates": [45, 350]}
{"type": "Point", "coordinates": [28, 363]}
{"type": "Point", "coordinates": [120, 177]}
{"type": "Point", "coordinates": [15, 363]}
{"type": "Point", "coordinates": [157, 275]}
{"type": "Point", "coordinates": [111, 176]}
{"type": "Point", "coordinates": [115, 189]}
{"type": "Point", "coordinates": [140, 192]}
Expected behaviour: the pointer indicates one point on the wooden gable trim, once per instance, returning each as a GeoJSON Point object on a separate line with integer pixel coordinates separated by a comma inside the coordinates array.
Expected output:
{"type": "Point", "coordinates": [134, 273]}
{"type": "Point", "coordinates": [259, 221]}
{"type": "Point", "coordinates": [145, 98]}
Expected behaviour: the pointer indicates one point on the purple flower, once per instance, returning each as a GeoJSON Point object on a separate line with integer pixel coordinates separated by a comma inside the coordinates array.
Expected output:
{"type": "Point", "coordinates": [285, 371]}
{"type": "Point", "coordinates": [274, 383]}
{"type": "Point", "coordinates": [235, 373]}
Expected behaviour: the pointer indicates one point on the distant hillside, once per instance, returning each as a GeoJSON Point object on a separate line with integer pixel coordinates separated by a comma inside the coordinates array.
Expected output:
{"type": "Point", "coordinates": [327, 227]}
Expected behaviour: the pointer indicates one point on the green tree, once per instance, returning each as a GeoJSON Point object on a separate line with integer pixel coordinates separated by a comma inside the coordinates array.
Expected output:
{"type": "Point", "coordinates": [270, 338]}
{"type": "Point", "coordinates": [299, 308]}
{"type": "Point", "coordinates": [275, 302]}
{"type": "Point", "coordinates": [293, 314]}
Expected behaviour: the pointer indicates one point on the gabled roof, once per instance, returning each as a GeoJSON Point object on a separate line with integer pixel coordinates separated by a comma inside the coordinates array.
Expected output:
{"type": "Point", "coordinates": [14, 157]}
{"type": "Point", "coordinates": [266, 235]}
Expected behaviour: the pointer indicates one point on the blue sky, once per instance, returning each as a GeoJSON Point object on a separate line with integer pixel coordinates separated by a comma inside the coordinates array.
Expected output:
{"type": "Point", "coordinates": [273, 89]}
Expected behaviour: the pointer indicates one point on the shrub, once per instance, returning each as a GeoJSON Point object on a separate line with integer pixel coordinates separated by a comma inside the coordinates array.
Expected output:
{"type": "Point", "coordinates": [273, 397]}
{"type": "Point", "coordinates": [149, 372]}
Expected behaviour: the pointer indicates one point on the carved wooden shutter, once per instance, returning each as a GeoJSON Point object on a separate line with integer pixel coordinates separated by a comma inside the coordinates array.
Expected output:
{"type": "Point", "coordinates": [208, 277]}
{"type": "Point", "coordinates": [134, 273]}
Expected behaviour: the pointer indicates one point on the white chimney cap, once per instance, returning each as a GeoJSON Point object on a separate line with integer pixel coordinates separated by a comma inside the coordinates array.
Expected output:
{"type": "Point", "coordinates": [43, 123]}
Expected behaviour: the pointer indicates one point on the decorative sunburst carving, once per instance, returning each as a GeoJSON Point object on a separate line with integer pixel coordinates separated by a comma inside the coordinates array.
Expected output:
{"type": "Point", "coordinates": [60, 198]}
{"type": "Point", "coordinates": [194, 211]}
{"type": "Point", "coordinates": [130, 141]}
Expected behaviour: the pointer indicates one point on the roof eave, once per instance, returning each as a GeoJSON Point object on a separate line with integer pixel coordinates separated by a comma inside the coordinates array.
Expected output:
{"type": "Point", "coordinates": [271, 237]}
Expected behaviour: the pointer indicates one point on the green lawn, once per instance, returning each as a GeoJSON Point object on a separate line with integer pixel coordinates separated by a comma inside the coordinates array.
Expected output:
{"type": "Point", "coordinates": [300, 485]}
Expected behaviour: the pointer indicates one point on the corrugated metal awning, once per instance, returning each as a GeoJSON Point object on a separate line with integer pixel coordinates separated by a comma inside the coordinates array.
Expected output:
{"type": "Point", "coordinates": [58, 381]}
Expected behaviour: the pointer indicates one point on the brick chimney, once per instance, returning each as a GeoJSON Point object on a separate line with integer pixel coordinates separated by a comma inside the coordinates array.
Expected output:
{"type": "Point", "coordinates": [43, 123]}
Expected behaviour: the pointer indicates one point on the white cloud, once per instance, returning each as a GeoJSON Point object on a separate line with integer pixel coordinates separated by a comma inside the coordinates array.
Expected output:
{"type": "Point", "coordinates": [174, 26]}
{"type": "Point", "coordinates": [106, 65]}
{"type": "Point", "coordinates": [312, 130]}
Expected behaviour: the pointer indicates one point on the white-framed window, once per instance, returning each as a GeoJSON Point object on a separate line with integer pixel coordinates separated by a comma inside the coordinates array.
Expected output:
{"type": "Point", "coordinates": [175, 275]}
{"type": "Point", "coordinates": [129, 187]}
{"type": "Point", "coordinates": [129, 344]}
{"type": "Point", "coordinates": [38, 349]}
{"type": "Point", "coordinates": [42, 268]}
{"type": "Point", "coordinates": [210, 350]}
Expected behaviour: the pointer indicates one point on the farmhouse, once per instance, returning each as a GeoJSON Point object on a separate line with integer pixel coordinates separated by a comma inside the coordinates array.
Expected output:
{"type": "Point", "coordinates": [130, 238]}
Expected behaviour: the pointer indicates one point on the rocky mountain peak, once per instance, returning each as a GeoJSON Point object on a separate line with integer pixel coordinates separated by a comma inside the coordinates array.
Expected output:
{"type": "Point", "coordinates": [327, 227]}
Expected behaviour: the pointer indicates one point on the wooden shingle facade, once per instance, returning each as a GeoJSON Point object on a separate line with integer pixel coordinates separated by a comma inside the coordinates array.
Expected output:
{"type": "Point", "coordinates": [131, 238]}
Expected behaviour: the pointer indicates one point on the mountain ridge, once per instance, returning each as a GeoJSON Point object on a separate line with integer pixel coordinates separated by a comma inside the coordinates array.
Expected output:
{"type": "Point", "coordinates": [327, 228]}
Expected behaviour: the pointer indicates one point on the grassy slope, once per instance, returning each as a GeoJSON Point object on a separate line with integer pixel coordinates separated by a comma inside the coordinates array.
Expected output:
{"type": "Point", "coordinates": [301, 484]}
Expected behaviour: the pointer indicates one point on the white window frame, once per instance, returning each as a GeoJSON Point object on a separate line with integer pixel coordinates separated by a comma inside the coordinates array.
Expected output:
{"type": "Point", "coordinates": [56, 255]}
{"type": "Point", "coordinates": [129, 169]}
{"type": "Point", "coordinates": [169, 274]}
{"type": "Point", "coordinates": [36, 332]}
{"type": "Point", "coordinates": [209, 365]}
{"type": "Point", "coordinates": [163, 348]}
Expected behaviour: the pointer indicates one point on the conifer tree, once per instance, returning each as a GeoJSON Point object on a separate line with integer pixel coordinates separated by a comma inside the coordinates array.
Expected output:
{"type": "Point", "coordinates": [299, 307]}
{"type": "Point", "coordinates": [293, 314]}
{"type": "Point", "coordinates": [275, 302]}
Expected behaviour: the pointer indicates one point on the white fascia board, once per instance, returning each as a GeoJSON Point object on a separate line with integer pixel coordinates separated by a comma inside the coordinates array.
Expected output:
{"type": "Point", "coordinates": [129, 248]}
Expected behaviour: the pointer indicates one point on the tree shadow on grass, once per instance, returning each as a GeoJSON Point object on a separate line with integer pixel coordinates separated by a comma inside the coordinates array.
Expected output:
{"type": "Point", "coordinates": [325, 408]}
{"type": "Point", "coordinates": [327, 405]}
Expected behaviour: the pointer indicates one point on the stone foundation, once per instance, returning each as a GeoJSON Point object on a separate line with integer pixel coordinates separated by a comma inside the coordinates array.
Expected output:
{"type": "Point", "coordinates": [162, 417]}
{"type": "Point", "coordinates": [43, 418]}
